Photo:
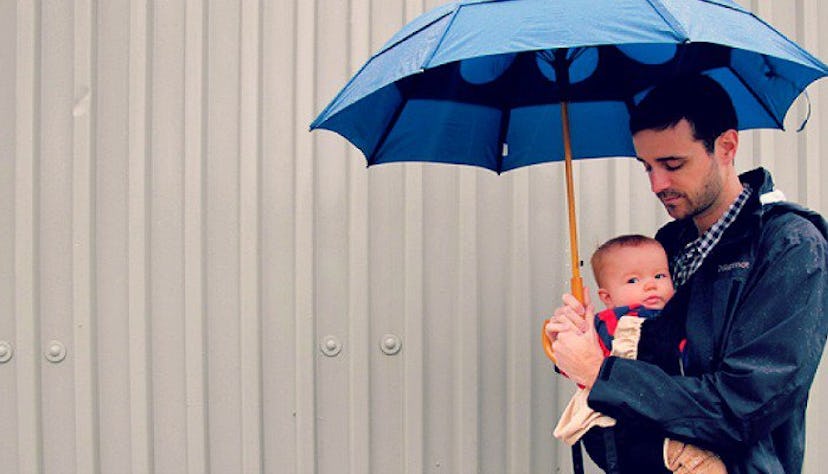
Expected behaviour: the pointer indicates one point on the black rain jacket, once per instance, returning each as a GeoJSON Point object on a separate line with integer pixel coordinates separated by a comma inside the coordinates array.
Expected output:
{"type": "Point", "coordinates": [755, 315]}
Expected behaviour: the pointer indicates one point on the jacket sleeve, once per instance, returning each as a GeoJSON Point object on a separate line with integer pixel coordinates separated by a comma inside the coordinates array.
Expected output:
{"type": "Point", "coordinates": [768, 360]}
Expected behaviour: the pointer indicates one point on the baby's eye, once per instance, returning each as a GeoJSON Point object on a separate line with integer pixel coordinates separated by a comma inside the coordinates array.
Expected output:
{"type": "Point", "coordinates": [659, 276]}
{"type": "Point", "coordinates": [632, 280]}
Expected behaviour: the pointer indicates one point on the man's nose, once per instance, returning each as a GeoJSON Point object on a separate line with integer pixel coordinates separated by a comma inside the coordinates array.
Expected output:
{"type": "Point", "coordinates": [658, 181]}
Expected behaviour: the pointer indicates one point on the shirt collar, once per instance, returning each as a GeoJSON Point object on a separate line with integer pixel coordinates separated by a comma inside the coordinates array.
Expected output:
{"type": "Point", "coordinates": [691, 257]}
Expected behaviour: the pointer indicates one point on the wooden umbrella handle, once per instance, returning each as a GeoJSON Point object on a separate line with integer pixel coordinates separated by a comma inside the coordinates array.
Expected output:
{"type": "Point", "coordinates": [576, 283]}
{"type": "Point", "coordinates": [547, 344]}
{"type": "Point", "coordinates": [577, 287]}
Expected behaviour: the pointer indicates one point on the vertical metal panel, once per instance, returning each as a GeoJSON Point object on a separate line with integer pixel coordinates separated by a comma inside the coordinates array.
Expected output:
{"type": "Point", "coordinates": [332, 245]}
{"type": "Point", "coordinates": [439, 224]}
{"type": "Point", "coordinates": [359, 317]}
{"type": "Point", "coordinates": [547, 280]}
{"type": "Point", "coordinates": [111, 269]}
{"type": "Point", "coordinates": [304, 74]}
{"type": "Point", "coordinates": [195, 326]}
{"type": "Point", "coordinates": [26, 229]}
{"type": "Point", "coordinates": [466, 319]}
{"type": "Point", "coordinates": [139, 304]}
{"type": "Point", "coordinates": [223, 233]}
{"type": "Point", "coordinates": [493, 240]}
{"type": "Point", "coordinates": [619, 206]}
{"type": "Point", "coordinates": [83, 224]}
{"type": "Point", "coordinates": [165, 233]}
{"type": "Point", "coordinates": [413, 324]}
{"type": "Point", "coordinates": [281, 130]}
{"type": "Point", "coordinates": [386, 260]}
{"type": "Point", "coordinates": [521, 331]}
{"type": "Point", "coordinates": [8, 369]}
{"type": "Point", "coordinates": [249, 236]}
{"type": "Point", "coordinates": [54, 214]}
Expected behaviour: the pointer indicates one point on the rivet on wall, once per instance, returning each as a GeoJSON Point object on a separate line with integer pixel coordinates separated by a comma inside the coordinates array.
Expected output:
{"type": "Point", "coordinates": [390, 344]}
{"type": "Point", "coordinates": [55, 352]}
{"type": "Point", "coordinates": [331, 346]}
{"type": "Point", "coordinates": [6, 352]}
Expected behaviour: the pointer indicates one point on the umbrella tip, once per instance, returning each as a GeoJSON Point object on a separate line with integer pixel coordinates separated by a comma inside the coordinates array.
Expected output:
{"type": "Point", "coordinates": [807, 114]}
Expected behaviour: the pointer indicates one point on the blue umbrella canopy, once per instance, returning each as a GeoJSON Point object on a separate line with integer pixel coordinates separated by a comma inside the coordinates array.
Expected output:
{"type": "Point", "coordinates": [503, 84]}
{"type": "Point", "coordinates": [481, 82]}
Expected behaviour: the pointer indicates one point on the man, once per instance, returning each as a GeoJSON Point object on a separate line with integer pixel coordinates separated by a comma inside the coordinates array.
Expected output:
{"type": "Point", "coordinates": [752, 293]}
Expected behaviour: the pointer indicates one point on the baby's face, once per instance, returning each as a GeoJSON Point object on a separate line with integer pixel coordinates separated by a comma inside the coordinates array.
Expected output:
{"type": "Point", "coordinates": [636, 275]}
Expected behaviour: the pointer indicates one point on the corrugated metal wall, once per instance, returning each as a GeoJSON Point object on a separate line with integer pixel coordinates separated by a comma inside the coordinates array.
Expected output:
{"type": "Point", "coordinates": [192, 282]}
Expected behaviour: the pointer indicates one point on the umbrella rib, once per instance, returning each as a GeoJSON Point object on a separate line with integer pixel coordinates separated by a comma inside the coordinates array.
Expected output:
{"type": "Point", "coordinates": [501, 141]}
{"type": "Point", "coordinates": [394, 118]}
{"type": "Point", "coordinates": [668, 18]}
{"type": "Point", "coordinates": [393, 45]}
{"type": "Point", "coordinates": [442, 37]}
{"type": "Point", "coordinates": [731, 7]}
{"type": "Point", "coordinates": [758, 99]}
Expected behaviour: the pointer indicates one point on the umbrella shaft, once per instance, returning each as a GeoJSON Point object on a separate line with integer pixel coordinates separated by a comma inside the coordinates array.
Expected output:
{"type": "Point", "coordinates": [576, 283]}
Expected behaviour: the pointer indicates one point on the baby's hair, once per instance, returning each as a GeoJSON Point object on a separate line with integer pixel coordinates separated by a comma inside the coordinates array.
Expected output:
{"type": "Point", "coordinates": [628, 240]}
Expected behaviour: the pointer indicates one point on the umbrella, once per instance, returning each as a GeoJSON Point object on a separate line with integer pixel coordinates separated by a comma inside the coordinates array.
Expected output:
{"type": "Point", "coordinates": [503, 84]}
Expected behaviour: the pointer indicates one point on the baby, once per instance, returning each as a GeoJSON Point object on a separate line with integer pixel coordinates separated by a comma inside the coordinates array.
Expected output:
{"type": "Point", "coordinates": [634, 282]}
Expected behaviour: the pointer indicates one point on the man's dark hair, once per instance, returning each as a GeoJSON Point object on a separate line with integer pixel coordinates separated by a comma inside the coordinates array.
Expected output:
{"type": "Point", "coordinates": [698, 98]}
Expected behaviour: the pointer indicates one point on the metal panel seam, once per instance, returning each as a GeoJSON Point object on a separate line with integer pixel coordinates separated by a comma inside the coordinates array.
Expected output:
{"type": "Point", "coordinates": [83, 237]}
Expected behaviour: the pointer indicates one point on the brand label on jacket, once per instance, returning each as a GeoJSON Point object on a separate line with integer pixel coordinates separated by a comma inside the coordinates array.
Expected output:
{"type": "Point", "coordinates": [732, 266]}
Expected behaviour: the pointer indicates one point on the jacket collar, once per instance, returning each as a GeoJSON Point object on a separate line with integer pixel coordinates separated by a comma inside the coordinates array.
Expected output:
{"type": "Point", "coordinates": [750, 218]}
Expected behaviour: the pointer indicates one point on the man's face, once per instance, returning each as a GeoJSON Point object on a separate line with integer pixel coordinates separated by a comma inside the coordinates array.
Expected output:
{"type": "Point", "coordinates": [683, 175]}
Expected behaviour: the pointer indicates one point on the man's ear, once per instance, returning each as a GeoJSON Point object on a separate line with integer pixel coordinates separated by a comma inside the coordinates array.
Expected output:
{"type": "Point", "coordinates": [726, 146]}
{"type": "Point", "coordinates": [605, 297]}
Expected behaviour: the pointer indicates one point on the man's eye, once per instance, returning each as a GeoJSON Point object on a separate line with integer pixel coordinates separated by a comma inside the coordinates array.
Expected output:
{"type": "Point", "coordinates": [632, 280]}
{"type": "Point", "coordinates": [672, 167]}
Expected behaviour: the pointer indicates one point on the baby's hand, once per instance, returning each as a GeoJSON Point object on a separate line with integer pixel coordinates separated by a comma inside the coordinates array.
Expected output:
{"type": "Point", "coordinates": [577, 353]}
{"type": "Point", "coordinates": [571, 316]}
{"type": "Point", "coordinates": [688, 459]}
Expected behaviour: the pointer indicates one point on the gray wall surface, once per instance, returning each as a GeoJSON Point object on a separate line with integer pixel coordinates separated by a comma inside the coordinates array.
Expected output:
{"type": "Point", "coordinates": [177, 251]}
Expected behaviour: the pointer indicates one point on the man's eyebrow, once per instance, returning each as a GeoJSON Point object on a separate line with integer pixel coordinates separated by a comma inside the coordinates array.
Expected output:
{"type": "Point", "coordinates": [661, 159]}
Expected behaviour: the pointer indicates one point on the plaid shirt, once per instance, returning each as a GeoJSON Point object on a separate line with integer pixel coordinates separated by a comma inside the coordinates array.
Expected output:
{"type": "Point", "coordinates": [690, 259]}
